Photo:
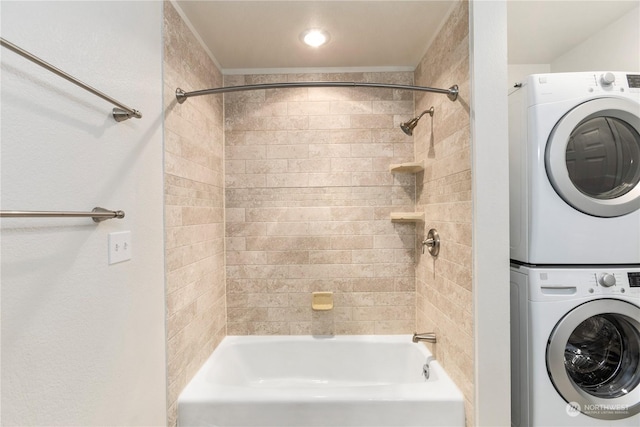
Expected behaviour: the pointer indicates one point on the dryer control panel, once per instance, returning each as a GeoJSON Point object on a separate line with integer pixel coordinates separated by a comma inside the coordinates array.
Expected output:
{"type": "Point", "coordinates": [554, 87]}
{"type": "Point", "coordinates": [608, 79]}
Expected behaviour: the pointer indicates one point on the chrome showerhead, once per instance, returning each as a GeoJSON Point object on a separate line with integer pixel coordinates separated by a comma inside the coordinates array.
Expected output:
{"type": "Point", "coordinates": [407, 127]}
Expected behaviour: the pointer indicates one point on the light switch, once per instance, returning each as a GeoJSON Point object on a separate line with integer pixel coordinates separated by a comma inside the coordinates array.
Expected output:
{"type": "Point", "coordinates": [119, 246]}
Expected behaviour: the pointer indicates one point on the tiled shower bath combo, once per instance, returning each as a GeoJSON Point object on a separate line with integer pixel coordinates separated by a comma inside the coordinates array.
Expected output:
{"type": "Point", "coordinates": [296, 183]}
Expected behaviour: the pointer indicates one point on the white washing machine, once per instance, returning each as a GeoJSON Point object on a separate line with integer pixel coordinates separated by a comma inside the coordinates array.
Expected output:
{"type": "Point", "coordinates": [575, 346]}
{"type": "Point", "coordinates": [575, 169]}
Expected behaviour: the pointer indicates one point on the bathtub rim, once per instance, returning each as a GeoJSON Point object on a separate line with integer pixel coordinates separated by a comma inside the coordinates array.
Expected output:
{"type": "Point", "coordinates": [440, 387]}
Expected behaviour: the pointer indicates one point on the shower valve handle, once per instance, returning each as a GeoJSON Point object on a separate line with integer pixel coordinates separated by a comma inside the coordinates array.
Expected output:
{"type": "Point", "coordinates": [432, 242]}
{"type": "Point", "coordinates": [428, 242]}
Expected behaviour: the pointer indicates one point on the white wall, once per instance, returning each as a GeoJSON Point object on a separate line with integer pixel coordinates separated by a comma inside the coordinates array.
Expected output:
{"type": "Point", "coordinates": [615, 47]}
{"type": "Point", "coordinates": [82, 341]}
{"type": "Point", "coordinates": [489, 123]}
{"type": "Point", "coordinates": [517, 73]}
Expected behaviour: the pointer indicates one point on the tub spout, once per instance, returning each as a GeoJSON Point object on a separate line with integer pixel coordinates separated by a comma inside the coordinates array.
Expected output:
{"type": "Point", "coordinates": [426, 336]}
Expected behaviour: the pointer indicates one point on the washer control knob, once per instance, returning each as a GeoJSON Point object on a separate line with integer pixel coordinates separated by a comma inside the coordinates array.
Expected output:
{"type": "Point", "coordinates": [607, 280]}
{"type": "Point", "coordinates": [607, 79]}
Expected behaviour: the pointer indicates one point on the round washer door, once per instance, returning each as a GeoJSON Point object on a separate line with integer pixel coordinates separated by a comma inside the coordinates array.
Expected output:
{"type": "Point", "coordinates": [593, 358]}
{"type": "Point", "coordinates": [593, 157]}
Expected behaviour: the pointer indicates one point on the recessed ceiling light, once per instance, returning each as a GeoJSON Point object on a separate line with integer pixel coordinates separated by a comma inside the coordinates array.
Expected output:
{"type": "Point", "coordinates": [314, 37]}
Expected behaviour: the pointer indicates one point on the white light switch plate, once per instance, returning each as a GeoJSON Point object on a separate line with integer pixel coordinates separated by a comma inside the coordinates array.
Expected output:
{"type": "Point", "coordinates": [119, 246]}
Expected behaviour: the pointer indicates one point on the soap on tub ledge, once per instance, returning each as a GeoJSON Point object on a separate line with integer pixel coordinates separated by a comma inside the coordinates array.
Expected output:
{"type": "Point", "coordinates": [304, 381]}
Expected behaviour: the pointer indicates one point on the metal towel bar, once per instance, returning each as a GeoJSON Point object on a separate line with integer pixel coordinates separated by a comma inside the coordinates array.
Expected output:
{"type": "Point", "coordinates": [98, 214]}
{"type": "Point", "coordinates": [119, 114]}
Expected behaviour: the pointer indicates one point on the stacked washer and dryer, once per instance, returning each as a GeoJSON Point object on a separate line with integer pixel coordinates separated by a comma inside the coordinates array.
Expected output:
{"type": "Point", "coordinates": [575, 249]}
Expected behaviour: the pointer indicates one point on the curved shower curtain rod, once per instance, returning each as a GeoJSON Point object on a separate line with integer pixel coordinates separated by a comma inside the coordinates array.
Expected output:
{"type": "Point", "coordinates": [181, 95]}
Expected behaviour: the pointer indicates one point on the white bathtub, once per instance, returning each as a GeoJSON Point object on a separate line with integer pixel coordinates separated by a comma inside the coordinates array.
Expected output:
{"type": "Point", "coordinates": [302, 381]}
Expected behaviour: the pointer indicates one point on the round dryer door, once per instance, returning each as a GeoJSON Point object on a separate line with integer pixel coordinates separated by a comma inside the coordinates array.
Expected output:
{"type": "Point", "coordinates": [593, 358]}
{"type": "Point", "coordinates": [593, 157]}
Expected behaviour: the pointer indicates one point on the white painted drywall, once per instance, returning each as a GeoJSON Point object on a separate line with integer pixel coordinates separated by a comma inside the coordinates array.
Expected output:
{"type": "Point", "coordinates": [489, 123]}
{"type": "Point", "coordinates": [518, 73]}
{"type": "Point", "coordinates": [616, 47]}
{"type": "Point", "coordinates": [82, 341]}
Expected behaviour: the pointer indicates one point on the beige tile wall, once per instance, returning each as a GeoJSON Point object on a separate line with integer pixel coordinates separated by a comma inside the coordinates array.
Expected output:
{"type": "Point", "coordinates": [194, 208]}
{"type": "Point", "coordinates": [443, 286]}
{"type": "Point", "coordinates": [308, 198]}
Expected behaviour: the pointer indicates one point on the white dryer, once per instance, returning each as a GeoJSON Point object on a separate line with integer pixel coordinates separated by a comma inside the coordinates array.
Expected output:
{"type": "Point", "coordinates": [575, 346]}
{"type": "Point", "coordinates": [575, 169]}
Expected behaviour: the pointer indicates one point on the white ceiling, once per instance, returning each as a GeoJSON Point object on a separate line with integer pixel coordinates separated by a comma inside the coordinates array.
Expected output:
{"type": "Point", "coordinates": [265, 34]}
{"type": "Point", "coordinates": [261, 35]}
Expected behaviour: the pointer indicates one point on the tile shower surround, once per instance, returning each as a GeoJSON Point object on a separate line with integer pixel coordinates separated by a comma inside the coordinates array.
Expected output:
{"type": "Point", "coordinates": [194, 209]}
{"type": "Point", "coordinates": [444, 291]}
{"type": "Point", "coordinates": [308, 198]}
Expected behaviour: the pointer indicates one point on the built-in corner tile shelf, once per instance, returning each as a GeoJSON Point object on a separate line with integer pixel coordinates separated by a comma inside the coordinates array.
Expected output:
{"type": "Point", "coordinates": [407, 216]}
{"type": "Point", "coordinates": [412, 167]}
